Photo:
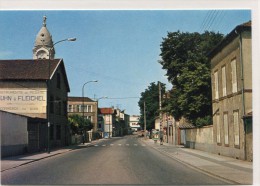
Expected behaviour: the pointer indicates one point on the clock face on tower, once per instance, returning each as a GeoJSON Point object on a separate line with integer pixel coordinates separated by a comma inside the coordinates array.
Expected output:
{"type": "Point", "coordinates": [41, 54]}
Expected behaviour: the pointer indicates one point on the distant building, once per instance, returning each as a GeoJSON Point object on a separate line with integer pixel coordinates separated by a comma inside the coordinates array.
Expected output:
{"type": "Point", "coordinates": [122, 122]}
{"type": "Point", "coordinates": [134, 122]}
{"type": "Point", "coordinates": [231, 74]}
{"type": "Point", "coordinates": [75, 106]}
{"type": "Point", "coordinates": [107, 121]}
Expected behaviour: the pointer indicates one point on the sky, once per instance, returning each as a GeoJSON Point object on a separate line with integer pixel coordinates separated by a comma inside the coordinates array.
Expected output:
{"type": "Point", "coordinates": [119, 48]}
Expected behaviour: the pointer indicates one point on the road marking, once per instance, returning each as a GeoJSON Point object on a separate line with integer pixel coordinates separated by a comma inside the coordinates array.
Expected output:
{"type": "Point", "coordinates": [103, 145]}
{"type": "Point", "coordinates": [135, 144]}
{"type": "Point", "coordinates": [96, 145]}
{"type": "Point", "coordinates": [119, 144]}
{"type": "Point", "coordinates": [127, 144]}
{"type": "Point", "coordinates": [112, 144]}
{"type": "Point", "coordinates": [143, 145]}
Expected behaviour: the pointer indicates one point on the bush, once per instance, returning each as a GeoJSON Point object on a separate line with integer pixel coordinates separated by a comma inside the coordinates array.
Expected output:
{"type": "Point", "coordinates": [200, 122]}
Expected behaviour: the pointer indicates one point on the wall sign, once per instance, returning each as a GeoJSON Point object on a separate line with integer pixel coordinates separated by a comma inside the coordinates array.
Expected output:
{"type": "Point", "coordinates": [23, 100]}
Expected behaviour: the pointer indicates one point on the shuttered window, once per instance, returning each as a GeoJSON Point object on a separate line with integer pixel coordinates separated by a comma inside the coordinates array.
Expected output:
{"type": "Point", "coordinates": [226, 128]}
{"type": "Point", "coordinates": [216, 85]}
{"type": "Point", "coordinates": [224, 82]}
{"type": "Point", "coordinates": [218, 128]}
{"type": "Point", "coordinates": [234, 75]}
{"type": "Point", "coordinates": [236, 127]}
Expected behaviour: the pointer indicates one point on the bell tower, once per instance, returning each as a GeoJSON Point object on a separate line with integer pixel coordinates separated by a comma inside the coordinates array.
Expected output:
{"type": "Point", "coordinates": [43, 46]}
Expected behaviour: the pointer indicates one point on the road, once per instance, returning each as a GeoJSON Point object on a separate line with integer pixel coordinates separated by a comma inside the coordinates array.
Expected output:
{"type": "Point", "coordinates": [125, 160]}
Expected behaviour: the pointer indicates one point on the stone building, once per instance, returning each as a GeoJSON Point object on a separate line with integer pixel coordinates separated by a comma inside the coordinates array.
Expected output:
{"type": "Point", "coordinates": [231, 74]}
{"type": "Point", "coordinates": [38, 88]}
{"type": "Point", "coordinates": [75, 106]}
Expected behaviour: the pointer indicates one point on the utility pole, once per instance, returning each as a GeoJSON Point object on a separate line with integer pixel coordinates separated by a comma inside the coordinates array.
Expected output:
{"type": "Point", "coordinates": [160, 107]}
{"type": "Point", "coordinates": [144, 122]}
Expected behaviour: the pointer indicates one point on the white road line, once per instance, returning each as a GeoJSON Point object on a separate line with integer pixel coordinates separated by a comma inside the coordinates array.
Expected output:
{"type": "Point", "coordinates": [127, 144]}
{"type": "Point", "coordinates": [119, 144]}
{"type": "Point", "coordinates": [103, 145]}
{"type": "Point", "coordinates": [135, 144]}
{"type": "Point", "coordinates": [112, 144]}
{"type": "Point", "coordinates": [96, 145]}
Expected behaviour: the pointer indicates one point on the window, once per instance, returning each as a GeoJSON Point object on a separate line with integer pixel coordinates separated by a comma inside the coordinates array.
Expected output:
{"type": "Point", "coordinates": [89, 108]}
{"type": "Point", "coordinates": [234, 75]}
{"type": "Point", "coordinates": [65, 108]}
{"type": "Point", "coordinates": [51, 132]}
{"type": "Point", "coordinates": [226, 128]}
{"type": "Point", "coordinates": [70, 108]}
{"type": "Point", "coordinates": [236, 128]}
{"type": "Point", "coordinates": [90, 118]}
{"type": "Point", "coordinates": [58, 80]}
{"type": "Point", "coordinates": [51, 104]}
{"type": "Point", "coordinates": [78, 108]}
{"type": "Point", "coordinates": [224, 84]}
{"type": "Point", "coordinates": [57, 105]}
{"type": "Point", "coordinates": [107, 119]}
{"type": "Point", "coordinates": [85, 108]}
{"type": "Point", "coordinates": [58, 132]}
{"type": "Point", "coordinates": [218, 129]}
{"type": "Point", "coordinates": [216, 84]}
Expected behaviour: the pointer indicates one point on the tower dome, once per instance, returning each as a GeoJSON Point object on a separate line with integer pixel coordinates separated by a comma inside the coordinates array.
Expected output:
{"type": "Point", "coordinates": [43, 43]}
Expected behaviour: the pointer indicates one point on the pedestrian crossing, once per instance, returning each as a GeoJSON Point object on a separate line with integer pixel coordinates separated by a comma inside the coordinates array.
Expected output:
{"type": "Point", "coordinates": [119, 145]}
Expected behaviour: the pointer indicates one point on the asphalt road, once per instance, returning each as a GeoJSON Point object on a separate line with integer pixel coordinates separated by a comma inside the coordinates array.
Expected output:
{"type": "Point", "coordinates": [121, 161]}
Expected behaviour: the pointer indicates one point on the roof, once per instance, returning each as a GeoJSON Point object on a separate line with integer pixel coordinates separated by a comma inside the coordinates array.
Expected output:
{"type": "Point", "coordinates": [44, 37]}
{"type": "Point", "coordinates": [31, 69]}
{"type": "Point", "coordinates": [186, 126]}
{"type": "Point", "coordinates": [232, 35]}
{"type": "Point", "coordinates": [79, 99]}
{"type": "Point", "coordinates": [106, 110]}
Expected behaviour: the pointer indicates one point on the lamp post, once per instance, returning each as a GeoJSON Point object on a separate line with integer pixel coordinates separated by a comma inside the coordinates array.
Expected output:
{"type": "Point", "coordinates": [83, 98]}
{"type": "Point", "coordinates": [48, 87]}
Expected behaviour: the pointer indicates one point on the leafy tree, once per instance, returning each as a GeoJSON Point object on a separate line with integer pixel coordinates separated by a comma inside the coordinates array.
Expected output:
{"type": "Point", "coordinates": [78, 124]}
{"type": "Point", "coordinates": [184, 57]}
{"type": "Point", "coordinates": [151, 98]}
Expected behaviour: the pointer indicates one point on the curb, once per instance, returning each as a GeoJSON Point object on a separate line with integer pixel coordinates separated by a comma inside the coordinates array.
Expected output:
{"type": "Point", "coordinates": [51, 155]}
{"type": "Point", "coordinates": [194, 167]}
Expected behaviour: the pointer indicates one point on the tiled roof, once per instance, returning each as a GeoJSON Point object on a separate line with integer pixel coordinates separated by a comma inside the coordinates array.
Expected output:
{"type": "Point", "coordinates": [106, 110]}
{"type": "Point", "coordinates": [186, 126]}
{"type": "Point", "coordinates": [79, 99]}
{"type": "Point", "coordinates": [27, 69]}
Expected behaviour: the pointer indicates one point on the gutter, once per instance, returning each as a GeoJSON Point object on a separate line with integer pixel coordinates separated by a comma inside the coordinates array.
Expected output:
{"type": "Point", "coordinates": [243, 89]}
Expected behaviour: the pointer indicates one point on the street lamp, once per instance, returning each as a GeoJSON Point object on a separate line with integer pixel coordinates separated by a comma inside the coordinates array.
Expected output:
{"type": "Point", "coordinates": [83, 98]}
{"type": "Point", "coordinates": [48, 87]}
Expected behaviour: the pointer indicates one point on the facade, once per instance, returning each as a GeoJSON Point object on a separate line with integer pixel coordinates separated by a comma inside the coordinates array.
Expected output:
{"type": "Point", "coordinates": [231, 72]}
{"type": "Point", "coordinates": [134, 122]}
{"type": "Point", "coordinates": [75, 106]}
{"type": "Point", "coordinates": [121, 123]}
{"type": "Point", "coordinates": [23, 90]}
{"type": "Point", "coordinates": [14, 135]}
{"type": "Point", "coordinates": [38, 89]}
{"type": "Point", "coordinates": [107, 121]}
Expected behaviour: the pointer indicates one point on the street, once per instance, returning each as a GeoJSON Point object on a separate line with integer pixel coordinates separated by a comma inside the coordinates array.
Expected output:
{"type": "Point", "coordinates": [125, 160]}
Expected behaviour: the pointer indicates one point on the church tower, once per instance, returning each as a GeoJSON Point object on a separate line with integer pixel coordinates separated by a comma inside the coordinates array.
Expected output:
{"type": "Point", "coordinates": [43, 47]}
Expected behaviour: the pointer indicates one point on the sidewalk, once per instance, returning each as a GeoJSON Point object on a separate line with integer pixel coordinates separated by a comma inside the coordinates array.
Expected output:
{"type": "Point", "coordinates": [16, 161]}
{"type": "Point", "coordinates": [230, 169]}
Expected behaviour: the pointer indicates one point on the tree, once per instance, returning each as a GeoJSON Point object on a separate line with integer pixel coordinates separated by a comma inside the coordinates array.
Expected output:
{"type": "Point", "coordinates": [78, 124]}
{"type": "Point", "coordinates": [184, 57]}
{"type": "Point", "coordinates": [151, 98]}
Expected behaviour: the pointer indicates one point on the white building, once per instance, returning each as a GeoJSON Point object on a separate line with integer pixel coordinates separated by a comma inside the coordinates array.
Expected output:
{"type": "Point", "coordinates": [134, 122]}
